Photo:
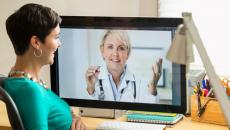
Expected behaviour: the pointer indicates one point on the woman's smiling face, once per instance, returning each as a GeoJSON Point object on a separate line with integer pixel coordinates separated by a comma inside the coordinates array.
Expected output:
{"type": "Point", "coordinates": [114, 52]}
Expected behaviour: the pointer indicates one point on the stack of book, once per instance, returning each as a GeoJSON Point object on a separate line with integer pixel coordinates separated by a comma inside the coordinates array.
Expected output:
{"type": "Point", "coordinates": [153, 117]}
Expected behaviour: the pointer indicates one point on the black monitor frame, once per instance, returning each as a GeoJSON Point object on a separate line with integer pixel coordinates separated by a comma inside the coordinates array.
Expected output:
{"type": "Point", "coordinates": [124, 23]}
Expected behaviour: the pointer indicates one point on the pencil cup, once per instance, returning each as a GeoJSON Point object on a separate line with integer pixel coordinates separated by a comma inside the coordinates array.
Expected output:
{"type": "Point", "coordinates": [211, 114]}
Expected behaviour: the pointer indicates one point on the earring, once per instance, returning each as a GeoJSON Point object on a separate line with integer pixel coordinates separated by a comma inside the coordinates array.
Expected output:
{"type": "Point", "coordinates": [37, 53]}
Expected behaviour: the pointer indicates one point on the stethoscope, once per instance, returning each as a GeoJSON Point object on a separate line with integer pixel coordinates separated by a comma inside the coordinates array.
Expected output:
{"type": "Point", "coordinates": [101, 95]}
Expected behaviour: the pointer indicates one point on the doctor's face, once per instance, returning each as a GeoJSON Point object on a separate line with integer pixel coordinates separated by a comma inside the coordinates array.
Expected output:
{"type": "Point", "coordinates": [115, 53]}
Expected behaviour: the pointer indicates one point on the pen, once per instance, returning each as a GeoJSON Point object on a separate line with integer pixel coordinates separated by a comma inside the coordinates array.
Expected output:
{"type": "Point", "coordinates": [203, 83]}
{"type": "Point", "coordinates": [207, 85]}
{"type": "Point", "coordinates": [199, 92]}
{"type": "Point", "coordinates": [210, 92]}
{"type": "Point", "coordinates": [205, 92]}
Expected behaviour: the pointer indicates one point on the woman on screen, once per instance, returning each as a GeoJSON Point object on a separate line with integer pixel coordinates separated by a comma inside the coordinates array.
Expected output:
{"type": "Point", "coordinates": [114, 81]}
{"type": "Point", "coordinates": [34, 32]}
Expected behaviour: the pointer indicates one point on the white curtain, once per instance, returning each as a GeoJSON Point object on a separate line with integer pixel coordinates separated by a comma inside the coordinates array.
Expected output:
{"type": "Point", "coordinates": [212, 18]}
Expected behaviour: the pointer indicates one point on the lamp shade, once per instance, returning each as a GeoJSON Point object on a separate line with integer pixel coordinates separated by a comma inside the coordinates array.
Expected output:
{"type": "Point", "coordinates": [181, 51]}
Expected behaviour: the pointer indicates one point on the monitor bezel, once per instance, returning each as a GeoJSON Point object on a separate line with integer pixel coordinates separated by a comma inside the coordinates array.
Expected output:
{"type": "Point", "coordinates": [124, 23]}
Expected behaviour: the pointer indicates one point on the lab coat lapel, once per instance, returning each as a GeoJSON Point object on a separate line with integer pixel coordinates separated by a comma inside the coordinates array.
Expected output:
{"type": "Point", "coordinates": [127, 86]}
{"type": "Point", "coordinates": [106, 84]}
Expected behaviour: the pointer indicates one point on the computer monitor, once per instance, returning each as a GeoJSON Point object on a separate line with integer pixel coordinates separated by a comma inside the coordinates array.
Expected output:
{"type": "Point", "coordinates": [150, 38]}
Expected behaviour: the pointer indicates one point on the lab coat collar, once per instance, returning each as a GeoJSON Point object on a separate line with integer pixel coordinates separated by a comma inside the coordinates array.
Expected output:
{"type": "Point", "coordinates": [128, 76]}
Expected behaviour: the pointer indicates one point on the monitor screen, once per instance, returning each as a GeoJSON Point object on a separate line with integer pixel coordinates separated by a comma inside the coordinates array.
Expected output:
{"type": "Point", "coordinates": [108, 62]}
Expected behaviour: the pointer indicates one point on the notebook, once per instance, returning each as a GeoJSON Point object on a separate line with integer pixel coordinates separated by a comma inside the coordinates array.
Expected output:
{"type": "Point", "coordinates": [153, 117]}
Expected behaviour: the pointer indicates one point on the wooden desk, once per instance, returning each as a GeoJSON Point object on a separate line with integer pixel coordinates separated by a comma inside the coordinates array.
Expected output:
{"type": "Point", "coordinates": [92, 123]}
{"type": "Point", "coordinates": [185, 124]}
{"type": "Point", "coordinates": [4, 121]}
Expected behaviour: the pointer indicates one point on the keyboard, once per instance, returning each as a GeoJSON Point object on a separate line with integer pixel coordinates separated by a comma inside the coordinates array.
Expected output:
{"type": "Point", "coordinates": [115, 125]}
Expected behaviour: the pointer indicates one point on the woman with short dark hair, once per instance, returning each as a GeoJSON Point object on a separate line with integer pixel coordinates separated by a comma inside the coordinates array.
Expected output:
{"type": "Point", "coordinates": [34, 32]}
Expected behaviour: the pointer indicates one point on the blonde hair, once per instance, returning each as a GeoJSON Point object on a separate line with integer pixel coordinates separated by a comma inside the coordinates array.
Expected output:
{"type": "Point", "coordinates": [121, 35]}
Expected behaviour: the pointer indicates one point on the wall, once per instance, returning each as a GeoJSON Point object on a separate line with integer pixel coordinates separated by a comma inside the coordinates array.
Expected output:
{"type": "Point", "coordinates": [72, 7]}
{"type": "Point", "coordinates": [212, 20]}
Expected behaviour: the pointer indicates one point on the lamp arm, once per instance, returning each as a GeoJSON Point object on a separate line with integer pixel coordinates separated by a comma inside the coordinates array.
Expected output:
{"type": "Point", "coordinates": [214, 79]}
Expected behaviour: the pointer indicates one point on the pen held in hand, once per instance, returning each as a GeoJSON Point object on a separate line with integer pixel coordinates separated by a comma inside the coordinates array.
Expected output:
{"type": "Point", "coordinates": [97, 71]}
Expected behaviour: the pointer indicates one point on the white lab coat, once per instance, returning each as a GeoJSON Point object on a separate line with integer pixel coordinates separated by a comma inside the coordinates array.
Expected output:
{"type": "Point", "coordinates": [142, 93]}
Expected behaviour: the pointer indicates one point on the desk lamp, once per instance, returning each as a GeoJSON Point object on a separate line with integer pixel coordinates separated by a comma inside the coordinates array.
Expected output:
{"type": "Point", "coordinates": [180, 52]}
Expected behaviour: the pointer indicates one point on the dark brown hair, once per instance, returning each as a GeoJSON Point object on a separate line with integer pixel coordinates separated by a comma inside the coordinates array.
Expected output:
{"type": "Point", "coordinates": [30, 20]}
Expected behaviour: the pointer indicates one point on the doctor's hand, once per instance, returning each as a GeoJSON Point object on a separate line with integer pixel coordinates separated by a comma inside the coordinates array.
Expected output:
{"type": "Point", "coordinates": [157, 69]}
{"type": "Point", "coordinates": [91, 76]}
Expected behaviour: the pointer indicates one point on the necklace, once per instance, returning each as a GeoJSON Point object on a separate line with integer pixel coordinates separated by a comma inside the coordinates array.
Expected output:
{"type": "Point", "coordinates": [18, 73]}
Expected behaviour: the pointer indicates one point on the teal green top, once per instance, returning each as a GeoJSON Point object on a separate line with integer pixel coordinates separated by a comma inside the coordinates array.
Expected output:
{"type": "Point", "coordinates": [39, 108]}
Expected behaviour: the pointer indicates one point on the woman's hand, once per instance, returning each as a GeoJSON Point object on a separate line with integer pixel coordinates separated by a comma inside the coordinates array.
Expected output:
{"type": "Point", "coordinates": [91, 76]}
{"type": "Point", "coordinates": [77, 124]}
{"type": "Point", "coordinates": [156, 68]}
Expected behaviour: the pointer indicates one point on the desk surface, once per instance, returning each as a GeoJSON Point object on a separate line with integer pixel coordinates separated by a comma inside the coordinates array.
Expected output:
{"type": "Point", "coordinates": [185, 123]}
{"type": "Point", "coordinates": [92, 123]}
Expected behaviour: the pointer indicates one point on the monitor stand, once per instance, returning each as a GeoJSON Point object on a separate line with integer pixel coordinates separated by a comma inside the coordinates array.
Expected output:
{"type": "Point", "coordinates": [101, 113]}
